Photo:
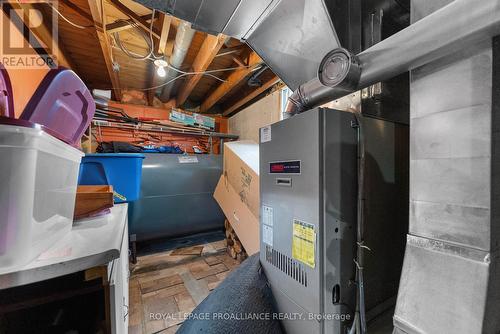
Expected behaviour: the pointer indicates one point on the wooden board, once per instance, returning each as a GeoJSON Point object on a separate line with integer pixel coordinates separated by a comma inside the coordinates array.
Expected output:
{"type": "Point", "coordinates": [195, 250]}
{"type": "Point", "coordinates": [91, 200]}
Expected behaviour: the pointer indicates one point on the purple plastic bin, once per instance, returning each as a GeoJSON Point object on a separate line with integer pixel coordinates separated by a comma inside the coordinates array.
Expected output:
{"type": "Point", "coordinates": [63, 104]}
{"type": "Point", "coordinates": [6, 98]}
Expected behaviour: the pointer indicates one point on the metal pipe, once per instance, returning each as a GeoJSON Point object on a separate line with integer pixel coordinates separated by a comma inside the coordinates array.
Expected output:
{"type": "Point", "coordinates": [183, 40]}
{"type": "Point", "coordinates": [447, 30]}
{"type": "Point", "coordinates": [254, 80]}
{"type": "Point", "coordinates": [221, 148]}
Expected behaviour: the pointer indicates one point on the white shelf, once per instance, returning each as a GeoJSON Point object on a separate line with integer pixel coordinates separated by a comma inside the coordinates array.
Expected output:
{"type": "Point", "coordinates": [91, 242]}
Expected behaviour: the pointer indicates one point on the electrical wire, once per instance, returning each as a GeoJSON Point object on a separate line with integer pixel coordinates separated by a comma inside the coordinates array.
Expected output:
{"type": "Point", "coordinates": [359, 322]}
{"type": "Point", "coordinates": [131, 54]}
{"type": "Point", "coordinates": [149, 42]}
{"type": "Point", "coordinates": [150, 55]}
{"type": "Point", "coordinates": [139, 57]}
{"type": "Point", "coordinates": [66, 19]}
{"type": "Point", "coordinates": [62, 16]}
{"type": "Point", "coordinates": [150, 88]}
{"type": "Point", "coordinates": [183, 74]}
{"type": "Point", "coordinates": [209, 73]}
{"type": "Point", "coordinates": [153, 12]}
{"type": "Point", "coordinates": [148, 38]}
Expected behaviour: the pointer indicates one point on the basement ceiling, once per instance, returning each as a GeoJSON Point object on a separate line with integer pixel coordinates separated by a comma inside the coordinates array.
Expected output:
{"type": "Point", "coordinates": [94, 55]}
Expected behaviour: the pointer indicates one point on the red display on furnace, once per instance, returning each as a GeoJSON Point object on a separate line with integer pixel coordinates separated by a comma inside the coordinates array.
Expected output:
{"type": "Point", "coordinates": [277, 168]}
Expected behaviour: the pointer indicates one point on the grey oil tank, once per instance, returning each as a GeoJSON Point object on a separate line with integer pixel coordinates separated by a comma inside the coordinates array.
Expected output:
{"type": "Point", "coordinates": [176, 196]}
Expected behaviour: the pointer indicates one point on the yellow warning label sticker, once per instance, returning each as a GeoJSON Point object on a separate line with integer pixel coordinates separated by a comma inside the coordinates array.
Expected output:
{"type": "Point", "coordinates": [119, 196]}
{"type": "Point", "coordinates": [303, 242]}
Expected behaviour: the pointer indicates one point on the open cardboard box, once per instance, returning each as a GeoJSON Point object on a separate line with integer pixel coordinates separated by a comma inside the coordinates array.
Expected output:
{"type": "Point", "coordinates": [238, 191]}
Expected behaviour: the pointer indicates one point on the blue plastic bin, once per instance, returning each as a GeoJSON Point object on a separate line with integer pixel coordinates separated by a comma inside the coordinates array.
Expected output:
{"type": "Point", "coordinates": [121, 170]}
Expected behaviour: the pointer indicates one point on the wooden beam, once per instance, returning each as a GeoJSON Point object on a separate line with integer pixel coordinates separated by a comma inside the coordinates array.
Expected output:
{"type": "Point", "coordinates": [208, 50]}
{"type": "Point", "coordinates": [150, 94]}
{"type": "Point", "coordinates": [169, 48]}
{"type": "Point", "coordinates": [78, 10]}
{"type": "Point", "coordinates": [137, 19]}
{"type": "Point", "coordinates": [166, 21]}
{"type": "Point", "coordinates": [265, 86]}
{"type": "Point", "coordinates": [232, 81]}
{"type": "Point", "coordinates": [231, 50]}
{"type": "Point", "coordinates": [127, 24]}
{"type": "Point", "coordinates": [100, 21]}
{"type": "Point", "coordinates": [238, 61]}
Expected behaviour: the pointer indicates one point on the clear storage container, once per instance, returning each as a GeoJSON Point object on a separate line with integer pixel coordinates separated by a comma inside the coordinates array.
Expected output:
{"type": "Point", "coordinates": [38, 180]}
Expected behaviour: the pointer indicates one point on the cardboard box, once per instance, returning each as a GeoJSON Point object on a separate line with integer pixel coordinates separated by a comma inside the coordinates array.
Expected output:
{"type": "Point", "coordinates": [244, 223]}
{"type": "Point", "coordinates": [194, 119]}
{"type": "Point", "coordinates": [241, 168]}
{"type": "Point", "coordinates": [204, 121]}
{"type": "Point", "coordinates": [238, 191]}
{"type": "Point", "coordinates": [180, 117]}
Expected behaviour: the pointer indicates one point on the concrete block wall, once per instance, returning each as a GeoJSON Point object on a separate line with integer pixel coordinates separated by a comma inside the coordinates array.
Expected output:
{"type": "Point", "coordinates": [450, 275]}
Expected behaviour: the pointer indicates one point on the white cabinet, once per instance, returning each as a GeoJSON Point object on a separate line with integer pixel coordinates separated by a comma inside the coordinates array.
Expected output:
{"type": "Point", "coordinates": [118, 289]}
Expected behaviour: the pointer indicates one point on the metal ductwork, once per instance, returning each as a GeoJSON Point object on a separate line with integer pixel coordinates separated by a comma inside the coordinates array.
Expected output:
{"type": "Point", "coordinates": [183, 40]}
{"type": "Point", "coordinates": [254, 80]}
{"type": "Point", "coordinates": [291, 36]}
{"type": "Point", "coordinates": [450, 29]}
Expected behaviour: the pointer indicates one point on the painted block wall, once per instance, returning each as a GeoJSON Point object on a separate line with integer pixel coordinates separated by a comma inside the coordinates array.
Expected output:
{"type": "Point", "coordinates": [247, 122]}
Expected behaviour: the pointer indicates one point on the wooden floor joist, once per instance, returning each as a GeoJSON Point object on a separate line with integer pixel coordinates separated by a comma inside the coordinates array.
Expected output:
{"type": "Point", "coordinates": [90, 27]}
{"type": "Point", "coordinates": [160, 46]}
{"type": "Point", "coordinates": [265, 86]}
{"type": "Point", "coordinates": [100, 26]}
{"type": "Point", "coordinates": [137, 19]}
{"type": "Point", "coordinates": [209, 49]}
{"type": "Point", "coordinates": [78, 10]}
{"type": "Point", "coordinates": [232, 81]}
{"type": "Point", "coordinates": [127, 24]}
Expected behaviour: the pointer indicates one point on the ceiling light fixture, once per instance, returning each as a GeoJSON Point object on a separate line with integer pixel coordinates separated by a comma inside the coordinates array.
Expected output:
{"type": "Point", "coordinates": [160, 67]}
{"type": "Point", "coordinates": [161, 71]}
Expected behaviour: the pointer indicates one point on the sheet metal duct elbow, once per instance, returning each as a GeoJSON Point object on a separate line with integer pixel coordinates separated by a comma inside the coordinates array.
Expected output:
{"type": "Point", "coordinates": [437, 35]}
{"type": "Point", "coordinates": [340, 69]}
{"type": "Point", "coordinates": [338, 73]}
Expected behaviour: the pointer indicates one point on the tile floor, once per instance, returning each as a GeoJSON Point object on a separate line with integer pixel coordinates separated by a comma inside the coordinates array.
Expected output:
{"type": "Point", "coordinates": [164, 286]}
{"type": "Point", "coordinates": [172, 282]}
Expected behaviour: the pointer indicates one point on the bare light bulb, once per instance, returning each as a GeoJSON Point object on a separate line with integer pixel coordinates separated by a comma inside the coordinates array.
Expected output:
{"type": "Point", "coordinates": [161, 71]}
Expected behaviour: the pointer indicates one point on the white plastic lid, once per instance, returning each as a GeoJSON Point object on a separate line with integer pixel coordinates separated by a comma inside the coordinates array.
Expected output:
{"type": "Point", "coordinates": [35, 138]}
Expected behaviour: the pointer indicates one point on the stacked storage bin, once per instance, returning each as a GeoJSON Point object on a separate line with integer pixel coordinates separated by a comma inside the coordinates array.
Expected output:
{"type": "Point", "coordinates": [39, 165]}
